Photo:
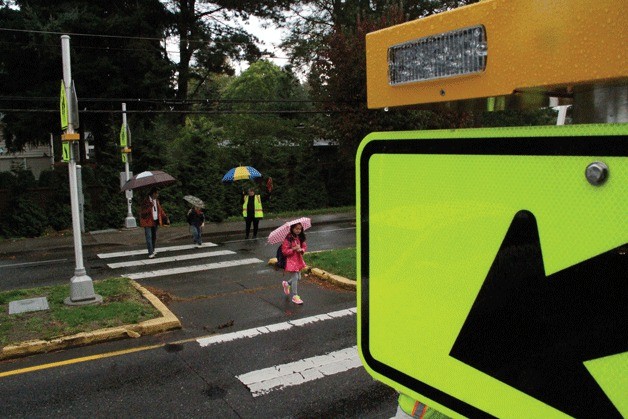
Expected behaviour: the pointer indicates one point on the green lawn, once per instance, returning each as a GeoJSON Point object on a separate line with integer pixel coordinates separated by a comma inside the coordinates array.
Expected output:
{"type": "Point", "coordinates": [339, 262]}
{"type": "Point", "coordinates": [122, 304]}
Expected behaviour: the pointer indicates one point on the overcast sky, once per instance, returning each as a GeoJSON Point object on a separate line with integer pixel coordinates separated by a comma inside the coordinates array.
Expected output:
{"type": "Point", "coordinates": [270, 38]}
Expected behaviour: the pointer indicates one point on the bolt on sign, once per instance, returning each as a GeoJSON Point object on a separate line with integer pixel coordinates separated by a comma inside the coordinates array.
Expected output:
{"type": "Point", "coordinates": [493, 268]}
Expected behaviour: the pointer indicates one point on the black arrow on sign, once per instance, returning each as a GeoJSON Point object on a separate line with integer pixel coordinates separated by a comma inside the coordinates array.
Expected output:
{"type": "Point", "coordinates": [533, 332]}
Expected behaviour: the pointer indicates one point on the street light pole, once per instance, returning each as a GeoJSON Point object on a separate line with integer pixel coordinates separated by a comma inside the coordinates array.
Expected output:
{"type": "Point", "coordinates": [129, 221]}
{"type": "Point", "coordinates": [81, 285]}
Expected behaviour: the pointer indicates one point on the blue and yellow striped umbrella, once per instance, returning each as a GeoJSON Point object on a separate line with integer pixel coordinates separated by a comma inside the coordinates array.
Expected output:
{"type": "Point", "coordinates": [241, 173]}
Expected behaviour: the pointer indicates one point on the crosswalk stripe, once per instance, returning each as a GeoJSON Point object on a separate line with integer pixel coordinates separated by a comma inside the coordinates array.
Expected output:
{"type": "Point", "coordinates": [170, 259]}
{"type": "Point", "coordinates": [249, 333]}
{"type": "Point", "coordinates": [158, 250]}
{"type": "Point", "coordinates": [264, 381]}
{"type": "Point", "coordinates": [195, 268]}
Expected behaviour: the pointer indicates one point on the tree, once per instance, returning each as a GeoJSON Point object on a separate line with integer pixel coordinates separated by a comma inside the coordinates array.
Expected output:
{"type": "Point", "coordinates": [207, 42]}
{"type": "Point", "coordinates": [276, 143]}
{"type": "Point", "coordinates": [116, 52]}
{"type": "Point", "coordinates": [196, 163]}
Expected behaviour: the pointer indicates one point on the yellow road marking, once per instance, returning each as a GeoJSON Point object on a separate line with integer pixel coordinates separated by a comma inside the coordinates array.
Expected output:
{"type": "Point", "coordinates": [78, 360]}
{"type": "Point", "coordinates": [90, 358]}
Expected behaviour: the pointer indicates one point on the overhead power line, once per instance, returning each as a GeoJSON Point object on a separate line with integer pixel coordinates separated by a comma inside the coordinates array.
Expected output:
{"type": "Point", "coordinates": [166, 101]}
{"type": "Point", "coordinates": [144, 38]}
{"type": "Point", "coordinates": [205, 112]}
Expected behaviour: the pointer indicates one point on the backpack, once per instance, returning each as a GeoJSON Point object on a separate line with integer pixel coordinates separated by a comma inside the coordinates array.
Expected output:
{"type": "Point", "coordinates": [281, 259]}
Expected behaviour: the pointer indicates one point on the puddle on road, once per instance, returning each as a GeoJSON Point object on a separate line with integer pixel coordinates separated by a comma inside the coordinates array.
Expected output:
{"type": "Point", "coordinates": [215, 392]}
{"type": "Point", "coordinates": [173, 347]}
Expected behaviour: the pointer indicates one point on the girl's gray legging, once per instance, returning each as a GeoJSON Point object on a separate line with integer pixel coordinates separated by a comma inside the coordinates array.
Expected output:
{"type": "Point", "coordinates": [294, 282]}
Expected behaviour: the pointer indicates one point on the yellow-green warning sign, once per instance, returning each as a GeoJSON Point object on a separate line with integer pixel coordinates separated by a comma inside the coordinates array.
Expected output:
{"type": "Point", "coordinates": [492, 268]}
{"type": "Point", "coordinates": [63, 106]}
{"type": "Point", "coordinates": [65, 151]}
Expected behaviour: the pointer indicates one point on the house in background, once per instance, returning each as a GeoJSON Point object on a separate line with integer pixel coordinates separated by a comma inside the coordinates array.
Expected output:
{"type": "Point", "coordinates": [33, 158]}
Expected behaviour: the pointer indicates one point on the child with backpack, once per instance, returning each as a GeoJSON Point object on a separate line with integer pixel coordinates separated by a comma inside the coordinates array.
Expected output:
{"type": "Point", "coordinates": [292, 250]}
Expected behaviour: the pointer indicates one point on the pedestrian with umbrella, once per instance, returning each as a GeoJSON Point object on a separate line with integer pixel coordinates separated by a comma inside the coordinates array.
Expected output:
{"type": "Point", "coordinates": [196, 218]}
{"type": "Point", "coordinates": [293, 246]}
{"type": "Point", "coordinates": [152, 216]}
{"type": "Point", "coordinates": [252, 209]}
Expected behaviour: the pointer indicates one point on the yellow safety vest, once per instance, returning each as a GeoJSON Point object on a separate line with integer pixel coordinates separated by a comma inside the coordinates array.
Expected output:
{"type": "Point", "coordinates": [259, 212]}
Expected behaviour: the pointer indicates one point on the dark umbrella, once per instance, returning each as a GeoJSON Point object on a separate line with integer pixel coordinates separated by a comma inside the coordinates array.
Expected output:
{"type": "Point", "coordinates": [148, 178]}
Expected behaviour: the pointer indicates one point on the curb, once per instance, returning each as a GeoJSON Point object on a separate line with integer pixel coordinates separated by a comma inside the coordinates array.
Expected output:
{"type": "Point", "coordinates": [168, 321]}
{"type": "Point", "coordinates": [338, 280]}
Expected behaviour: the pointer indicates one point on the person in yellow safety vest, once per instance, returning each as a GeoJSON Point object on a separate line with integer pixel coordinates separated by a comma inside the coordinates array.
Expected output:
{"type": "Point", "coordinates": [252, 212]}
{"type": "Point", "coordinates": [410, 408]}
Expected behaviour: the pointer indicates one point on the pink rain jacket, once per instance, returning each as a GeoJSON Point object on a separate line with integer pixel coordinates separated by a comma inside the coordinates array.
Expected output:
{"type": "Point", "coordinates": [294, 260]}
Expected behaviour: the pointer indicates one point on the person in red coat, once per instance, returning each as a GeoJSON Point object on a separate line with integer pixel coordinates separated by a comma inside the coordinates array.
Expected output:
{"type": "Point", "coordinates": [151, 217]}
{"type": "Point", "coordinates": [293, 248]}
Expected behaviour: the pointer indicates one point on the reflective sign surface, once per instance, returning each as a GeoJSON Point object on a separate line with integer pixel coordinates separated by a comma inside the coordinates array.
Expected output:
{"type": "Point", "coordinates": [492, 273]}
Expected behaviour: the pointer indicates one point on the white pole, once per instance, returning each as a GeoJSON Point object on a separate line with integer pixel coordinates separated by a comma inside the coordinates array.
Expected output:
{"type": "Point", "coordinates": [129, 221]}
{"type": "Point", "coordinates": [52, 152]}
{"type": "Point", "coordinates": [81, 285]}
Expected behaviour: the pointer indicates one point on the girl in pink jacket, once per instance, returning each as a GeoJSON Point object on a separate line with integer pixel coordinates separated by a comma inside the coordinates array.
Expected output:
{"type": "Point", "coordinates": [293, 247]}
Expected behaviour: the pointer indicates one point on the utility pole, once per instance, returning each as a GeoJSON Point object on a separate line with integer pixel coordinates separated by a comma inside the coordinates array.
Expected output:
{"type": "Point", "coordinates": [125, 143]}
{"type": "Point", "coordinates": [81, 285]}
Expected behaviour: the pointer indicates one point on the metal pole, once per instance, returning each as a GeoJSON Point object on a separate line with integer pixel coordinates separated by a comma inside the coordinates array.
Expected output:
{"type": "Point", "coordinates": [52, 152]}
{"type": "Point", "coordinates": [81, 285]}
{"type": "Point", "coordinates": [81, 197]}
{"type": "Point", "coordinates": [129, 221]}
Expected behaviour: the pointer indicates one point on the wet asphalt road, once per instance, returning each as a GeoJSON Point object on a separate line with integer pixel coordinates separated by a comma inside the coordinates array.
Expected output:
{"type": "Point", "coordinates": [171, 375]}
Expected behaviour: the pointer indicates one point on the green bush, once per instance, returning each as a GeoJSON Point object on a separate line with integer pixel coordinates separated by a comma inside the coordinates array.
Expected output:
{"type": "Point", "coordinates": [59, 215]}
{"type": "Point", "coordinates": [24, 219]}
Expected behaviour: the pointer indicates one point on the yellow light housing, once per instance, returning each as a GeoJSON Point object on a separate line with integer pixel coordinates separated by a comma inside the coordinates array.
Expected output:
{"type": "Point", "coordinates": [499, 48]}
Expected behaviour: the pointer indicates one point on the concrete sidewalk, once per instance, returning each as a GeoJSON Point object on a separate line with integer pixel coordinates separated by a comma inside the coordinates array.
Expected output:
{"type": "Point", "coordinates": [135, 237]}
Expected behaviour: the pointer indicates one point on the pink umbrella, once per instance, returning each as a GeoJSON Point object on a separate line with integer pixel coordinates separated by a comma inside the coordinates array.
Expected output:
{"type": "Point", "coordinates": [280, 233]}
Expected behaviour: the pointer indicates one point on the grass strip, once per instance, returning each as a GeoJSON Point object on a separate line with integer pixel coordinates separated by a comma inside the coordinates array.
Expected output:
{"type": "Point", "coordinates": [122, 304]}
{"type": "Point", "coordinates": [338, 262]}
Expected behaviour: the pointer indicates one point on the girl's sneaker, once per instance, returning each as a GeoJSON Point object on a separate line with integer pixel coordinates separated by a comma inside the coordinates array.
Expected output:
{"type": "Point", "coordinates": [297, 300]}
{"type": "Point", "coordinates": [286, 287]}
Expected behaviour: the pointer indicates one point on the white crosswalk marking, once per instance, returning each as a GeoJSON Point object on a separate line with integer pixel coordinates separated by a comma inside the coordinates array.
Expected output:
{"type": "Point", "coordinates": [266, 380]}
{"type": "Point", "coordinates": [196, 268]}
{"type": "Point", "coordinates": [170, 259]}
{"type": "Point", "coordinates": [159, 250]}
{"type": "Point", "coordinates": [249, 333]}
{"type": "Point", "coordinates": [263, 381]}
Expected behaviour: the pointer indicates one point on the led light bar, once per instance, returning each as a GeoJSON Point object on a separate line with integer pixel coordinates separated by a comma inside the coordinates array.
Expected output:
{"type": "Point", "coordinates": [448, 54]}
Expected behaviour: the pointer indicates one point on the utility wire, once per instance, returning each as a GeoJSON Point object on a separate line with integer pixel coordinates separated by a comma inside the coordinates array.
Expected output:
{"type": "Point", "coordinates": [165, 101]}
{"type": "Point", "coordinates": [199, 41]}
{"type": "Point", "coordinates": [207, 112]}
